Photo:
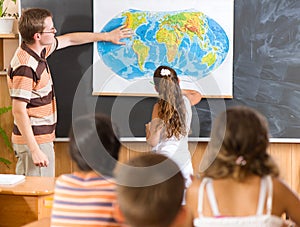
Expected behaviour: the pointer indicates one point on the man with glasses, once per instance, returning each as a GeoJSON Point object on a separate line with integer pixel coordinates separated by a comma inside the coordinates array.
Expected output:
{"type": "Point", "coordinates": [31, 88]}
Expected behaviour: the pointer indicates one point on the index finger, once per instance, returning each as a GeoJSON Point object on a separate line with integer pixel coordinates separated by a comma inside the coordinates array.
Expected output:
{"type": "Point", "coordinates": [122, 26]}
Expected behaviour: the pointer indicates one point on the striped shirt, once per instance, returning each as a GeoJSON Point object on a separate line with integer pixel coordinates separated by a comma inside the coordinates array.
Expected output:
{"type": "Point", "coordinates": [81, 200]}
{"type": "Point", "coordinates": [29, 80]}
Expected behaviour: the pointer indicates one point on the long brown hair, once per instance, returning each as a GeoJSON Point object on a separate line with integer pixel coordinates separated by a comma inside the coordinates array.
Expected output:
{"type": "Point", "coordinates": [240, 139]}
{"type": "Point", "coordinates": [171, 108]}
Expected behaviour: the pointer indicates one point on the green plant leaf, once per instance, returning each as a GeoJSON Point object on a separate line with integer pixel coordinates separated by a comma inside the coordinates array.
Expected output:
{"type": "Point", "coordinates": [3, 11]}
{"type": "Point", "coordinates": [6, 139]}
{"type": "Point", "coordinates": [5, 162]}
{"type": "Point", "coordinates": [5, 109]}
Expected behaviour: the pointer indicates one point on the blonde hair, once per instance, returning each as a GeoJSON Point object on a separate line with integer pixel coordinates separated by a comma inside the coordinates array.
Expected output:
{"type": "Point", "coordinates": [171, 108]}
{"type": "Point", "coordinates": [240, 139]}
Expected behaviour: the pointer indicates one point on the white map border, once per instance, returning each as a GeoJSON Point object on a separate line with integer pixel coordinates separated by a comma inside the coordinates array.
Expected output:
{"type": "Point", "coordinates": [219, 84]}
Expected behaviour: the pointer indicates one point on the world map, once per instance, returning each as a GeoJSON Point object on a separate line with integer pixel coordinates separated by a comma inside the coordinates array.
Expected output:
{"type": "Point", "coordinates": [188, 41]}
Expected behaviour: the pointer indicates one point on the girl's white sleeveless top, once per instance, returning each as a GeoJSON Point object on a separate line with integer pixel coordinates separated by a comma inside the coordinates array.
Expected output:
{"type": "Point", "coordinates": [177, 149]}
{"type": "Point", "coordinates": [258, 220]}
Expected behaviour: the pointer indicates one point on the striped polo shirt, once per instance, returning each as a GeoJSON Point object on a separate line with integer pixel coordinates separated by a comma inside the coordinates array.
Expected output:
{"type": "Point", "coordinates": [82, 200]}
{"type": "Point", "coordinates": [29, 80]}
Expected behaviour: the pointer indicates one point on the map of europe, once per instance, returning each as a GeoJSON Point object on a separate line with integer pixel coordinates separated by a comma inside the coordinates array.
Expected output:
{"type": "Point", "coordinates": [188, 41]}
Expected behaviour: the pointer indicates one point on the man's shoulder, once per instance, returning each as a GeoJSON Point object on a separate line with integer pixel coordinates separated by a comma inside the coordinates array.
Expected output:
{"type": "Point", "coordinates": [21, 57]}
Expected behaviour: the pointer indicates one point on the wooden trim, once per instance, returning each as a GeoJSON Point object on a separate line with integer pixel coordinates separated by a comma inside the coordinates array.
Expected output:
{"type": "Point", "coordinates": [4, 36]}
{"type": "Point", "coordinates": [122, 94]}
{"type": "Point", "coordinates": [9, 36]}
{"type": "Point", "coordinates": [2, 73]}
{"type": "Point", "coordinates": [152, 95]}
{"type": "Point", "coordinates": [1, 55]}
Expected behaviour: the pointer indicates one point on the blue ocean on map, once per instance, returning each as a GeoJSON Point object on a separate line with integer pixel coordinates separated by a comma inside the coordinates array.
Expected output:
{"type": "Point", "coordinates": [188, 41]}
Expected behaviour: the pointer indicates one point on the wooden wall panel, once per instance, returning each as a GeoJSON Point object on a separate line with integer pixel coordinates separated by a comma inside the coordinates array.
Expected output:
{"type": "Point", "coordinates": [124, 154]}
{"type": "Point", "coordinates": [1, 55]}
{"type": "Point", "coordinates": [197, 151]}
{"type": "Point", "coordinates": [283, 159]}
{"type": "Point", "coordinates": [295, 167]}
{"type": "Point", "coordinates": [9, 48]}
{"type": "Point", "coordinates": [286, 155]}
{"type": "Point", "coordinates": [63, 161]}
{"type": "Point", "coordinates": [6, 122]}
{"type": "Point", "coordinates": [137, 148]}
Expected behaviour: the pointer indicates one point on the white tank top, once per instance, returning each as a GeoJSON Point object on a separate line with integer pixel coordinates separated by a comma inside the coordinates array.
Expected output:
{"type": "Point", "coordinates": [258, 220]}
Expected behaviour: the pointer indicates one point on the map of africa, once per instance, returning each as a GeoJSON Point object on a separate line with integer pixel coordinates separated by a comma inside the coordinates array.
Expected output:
{"type": "Point", "coordinates": [188, 41]}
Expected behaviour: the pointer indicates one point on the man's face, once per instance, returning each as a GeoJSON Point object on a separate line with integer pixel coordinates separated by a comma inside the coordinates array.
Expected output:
{"type": "Point", "coordinates": [47, 35]}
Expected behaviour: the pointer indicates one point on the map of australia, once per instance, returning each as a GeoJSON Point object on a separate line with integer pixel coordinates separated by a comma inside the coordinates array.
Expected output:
{"type": "Point", "coordinates": [188, 41]}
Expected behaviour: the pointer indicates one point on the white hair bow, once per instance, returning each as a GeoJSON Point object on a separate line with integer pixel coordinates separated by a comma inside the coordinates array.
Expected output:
{"type": "Point", "coordinates": [165, 72]}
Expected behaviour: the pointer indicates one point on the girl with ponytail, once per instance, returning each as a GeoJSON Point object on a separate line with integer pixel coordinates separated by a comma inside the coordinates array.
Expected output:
{"type": "Point", "coordinates": [168, 130]}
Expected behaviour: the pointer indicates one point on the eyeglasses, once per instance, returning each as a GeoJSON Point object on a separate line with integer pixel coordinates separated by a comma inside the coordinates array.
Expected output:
{"type": "Point", "coordinates": [53, 31]}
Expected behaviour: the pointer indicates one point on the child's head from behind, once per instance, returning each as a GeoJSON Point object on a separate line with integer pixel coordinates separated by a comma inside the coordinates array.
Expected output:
{"type": "Point", "coordinates": [164, 77]}
{"type": "Point", "coordinates": [157, 204]}
{"type": "Point", "coordinates": [240, 138]}
{"type": "Point", "coordinates": [94, 143]}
